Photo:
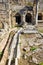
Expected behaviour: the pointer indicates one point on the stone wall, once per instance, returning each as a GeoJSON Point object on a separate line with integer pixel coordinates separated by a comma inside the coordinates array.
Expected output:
{"type": "Point", "coordinates": [3, 11]}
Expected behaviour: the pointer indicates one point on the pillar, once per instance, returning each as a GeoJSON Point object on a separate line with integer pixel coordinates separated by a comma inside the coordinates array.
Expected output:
{"type": "Point", "coordinates": [10, 17]}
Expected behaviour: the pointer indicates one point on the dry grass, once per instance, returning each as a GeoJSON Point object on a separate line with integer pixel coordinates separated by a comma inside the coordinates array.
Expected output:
{"type": "Point", "coordinates": [40, 29]}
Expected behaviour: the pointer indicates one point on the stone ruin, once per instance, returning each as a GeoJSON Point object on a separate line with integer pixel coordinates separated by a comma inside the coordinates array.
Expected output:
{"type": "Point", "coordinates": [15, 13]}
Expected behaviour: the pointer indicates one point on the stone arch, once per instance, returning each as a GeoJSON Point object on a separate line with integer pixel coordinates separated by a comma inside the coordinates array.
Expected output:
{"type": "Point", "coordinates": [18, 18]}
{"type": "Point", "coordinates": [28, 18]}
{"type": "Point", "coordinates": [39, 16]}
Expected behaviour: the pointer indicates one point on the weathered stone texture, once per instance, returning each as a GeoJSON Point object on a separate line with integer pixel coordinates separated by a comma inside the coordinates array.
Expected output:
{"type": "Point", "coordinates": [5, 1]}
{"type": "Point", "coordinates": [1, 25]}
{"type": "Point", "coordinates": [2, 6]}
{"type": "Point", "coordinates": [0, 0]}
{"type": "Point", "coordinates": [4, 15]}
{"type": "Point", "coordinates": [27, 43]}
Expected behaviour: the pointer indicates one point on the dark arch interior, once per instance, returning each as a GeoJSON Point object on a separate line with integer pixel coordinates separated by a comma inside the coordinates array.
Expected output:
{"type": "Point", "coordinates": [18, 18]}
{"type": "Point", "coordinates": [39, 16]}
{"type": "Point", "coordinates": [28, 18]}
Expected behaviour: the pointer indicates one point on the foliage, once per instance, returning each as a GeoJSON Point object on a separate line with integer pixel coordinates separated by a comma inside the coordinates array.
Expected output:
{"type": "Point", "coordinates": [33, 48]}
{"type": "Point", "coordinates": [40, 29]}
{"type": "Point", "coordinates": [18, 26]}
{"type": "Point", "coordinates": [41, 63]}
{"type": "Point", "coordinates": [0, 54]}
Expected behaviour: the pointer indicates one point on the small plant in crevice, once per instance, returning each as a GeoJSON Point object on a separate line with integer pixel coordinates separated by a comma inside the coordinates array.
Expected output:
{"type": "Point", "coordinates": [18, 26]}
{"type": "Point", "coordinates": [0, 54]}
{"type": "Point", "coordinates": [33, 48]}
{"type": "Point", "coordinates": [41, 63]}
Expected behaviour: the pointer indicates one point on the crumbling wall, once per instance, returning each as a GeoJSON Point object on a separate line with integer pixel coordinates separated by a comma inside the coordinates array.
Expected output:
{"type": "Point", "coordinates": [3, 11]}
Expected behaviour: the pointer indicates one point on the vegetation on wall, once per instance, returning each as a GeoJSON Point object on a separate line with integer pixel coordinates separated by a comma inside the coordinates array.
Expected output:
{"type": "Point", "coordinates": [30, 4]}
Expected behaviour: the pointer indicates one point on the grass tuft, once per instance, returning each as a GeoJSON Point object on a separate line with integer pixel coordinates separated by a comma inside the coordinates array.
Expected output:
{"type": "Point", "coordinates": [41, 63]}
{"type": "Point", "coordinates": [33, 48]}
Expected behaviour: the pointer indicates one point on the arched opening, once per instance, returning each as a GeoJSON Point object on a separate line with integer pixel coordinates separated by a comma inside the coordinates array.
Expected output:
{"type": "Point", "coordinates": [28, 18]}
{"type": "Point", "coordinates": [39, 16]}
{"type": "Point", "coordinates": [18, 18]}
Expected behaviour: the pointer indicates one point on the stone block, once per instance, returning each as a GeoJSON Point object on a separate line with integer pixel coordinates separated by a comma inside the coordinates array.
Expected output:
{"type": "Point", "coordinates": [2, 12]}
{"type": "Point", "coordinates": [5, 0]}
{"type": "Point", "coordinates": [2, 16]}
{"type": "Point", "coordinates": [2, 6]}
{"type": "Point", "coordinates": [0, 0]}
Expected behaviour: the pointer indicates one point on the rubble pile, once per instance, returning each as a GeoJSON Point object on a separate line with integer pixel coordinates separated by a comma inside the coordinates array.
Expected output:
{"type": "Point", "coordinates": [31, 48]}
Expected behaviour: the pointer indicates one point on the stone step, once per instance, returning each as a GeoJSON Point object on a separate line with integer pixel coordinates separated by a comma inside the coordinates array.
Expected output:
{"type": "Point", "coordinates": [30, 31]}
